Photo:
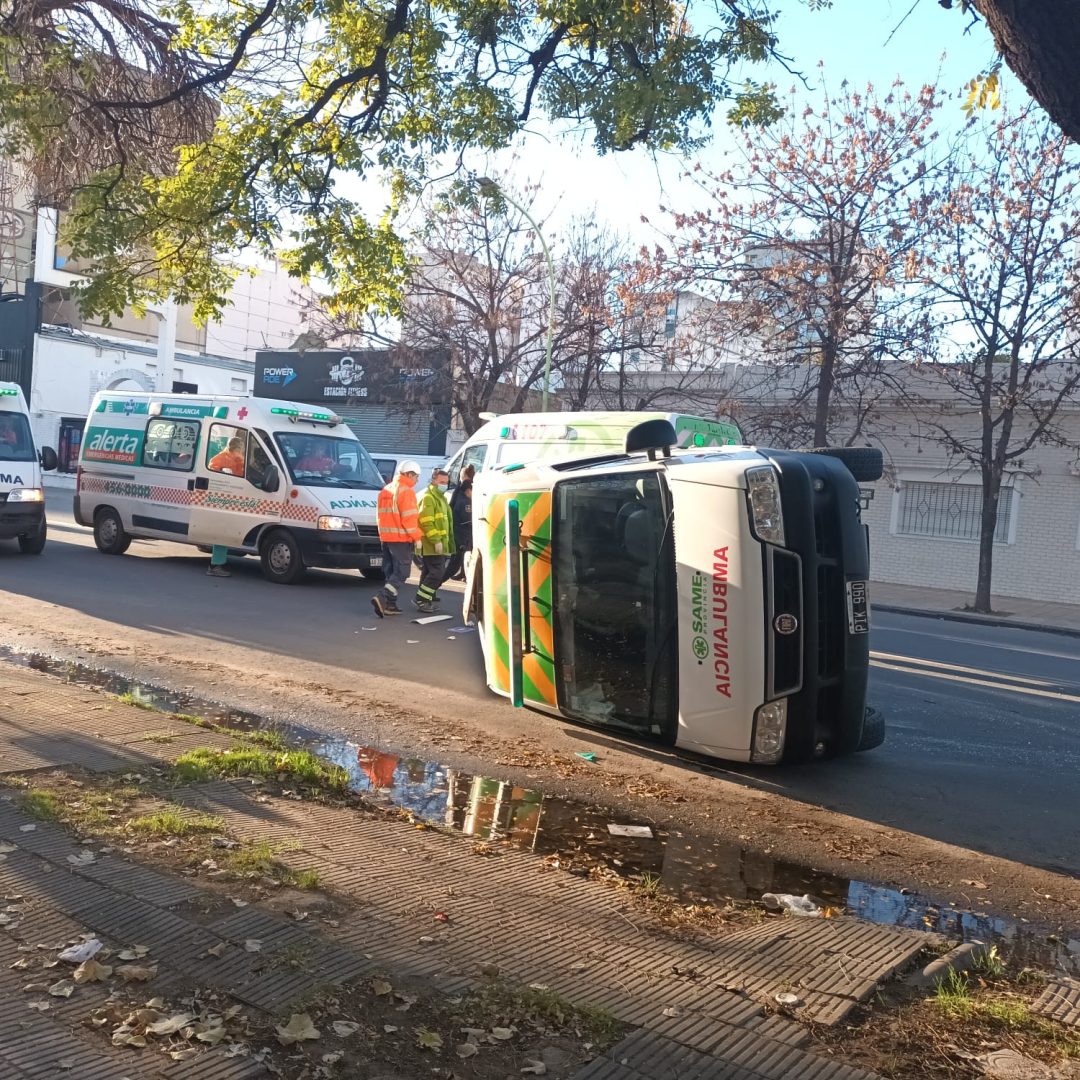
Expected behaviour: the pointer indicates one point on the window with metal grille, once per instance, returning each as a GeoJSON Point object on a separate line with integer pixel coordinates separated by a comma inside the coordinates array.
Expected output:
{"type": "Point", "coordinates": [950, 511]}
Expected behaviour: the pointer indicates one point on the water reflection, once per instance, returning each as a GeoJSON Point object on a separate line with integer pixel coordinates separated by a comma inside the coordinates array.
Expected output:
{"type": "Point", "coordinates": [574, 835]}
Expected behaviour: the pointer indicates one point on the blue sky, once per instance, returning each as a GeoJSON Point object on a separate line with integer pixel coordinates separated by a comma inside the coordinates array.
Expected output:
{"type": "Point", "coordinates": [852, 39]}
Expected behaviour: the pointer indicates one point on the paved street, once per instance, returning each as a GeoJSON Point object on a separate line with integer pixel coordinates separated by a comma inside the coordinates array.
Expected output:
{"type": "Point", "coordinates": [984, 739]}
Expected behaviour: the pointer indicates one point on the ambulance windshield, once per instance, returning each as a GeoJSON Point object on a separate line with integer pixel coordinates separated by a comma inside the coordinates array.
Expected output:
{"type": "Point", "coordinates": [615, 618]}
{"type": "Point", "coordinates": [318, 460]}
{"type": "Point", "coordinates": [15, 441]}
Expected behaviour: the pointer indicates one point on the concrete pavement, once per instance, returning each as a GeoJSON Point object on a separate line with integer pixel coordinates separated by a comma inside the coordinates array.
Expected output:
{"type": "Point", "coordinates": [1039, 615]}
{"type": "Point", "coordinates": [693, 1001]}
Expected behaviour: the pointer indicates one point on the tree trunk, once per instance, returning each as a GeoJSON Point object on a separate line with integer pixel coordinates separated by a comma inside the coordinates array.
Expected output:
{"type": "Point", "coordinates": [991, 492]}
{"type": "Point", "coordinates": [824, 395]}
{"type": "Point", "coordinates": [1040, 41]}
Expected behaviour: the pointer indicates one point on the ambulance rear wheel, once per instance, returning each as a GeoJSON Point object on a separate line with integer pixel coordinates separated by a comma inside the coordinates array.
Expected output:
{"type": "Point", "coordinates": [281, 559]}
{"type": "Point", "coordinates": [109, 534]}
{"type": "Point", "coordinates": [33, 543]}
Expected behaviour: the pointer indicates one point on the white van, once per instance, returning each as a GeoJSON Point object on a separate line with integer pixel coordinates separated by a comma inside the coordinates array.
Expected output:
{"type": "Point", "coordinates": [22, 497]}
{"type": "Point", "coordinates": [516, 438]}
{"type": "Point", "coordinates": [387, 464]}
{"type": "Point", "coordinates": [287, 482]}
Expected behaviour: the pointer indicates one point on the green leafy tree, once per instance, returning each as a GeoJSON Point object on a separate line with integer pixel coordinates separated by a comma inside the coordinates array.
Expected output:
{"type": "Point", "coordinates": [280, 110]}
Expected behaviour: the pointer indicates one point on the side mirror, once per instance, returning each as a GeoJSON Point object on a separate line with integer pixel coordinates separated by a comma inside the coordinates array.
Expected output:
{"type": "Point", "coordinates": [271, 479]}
{"type": "Point", "coordinates": [48, 458]}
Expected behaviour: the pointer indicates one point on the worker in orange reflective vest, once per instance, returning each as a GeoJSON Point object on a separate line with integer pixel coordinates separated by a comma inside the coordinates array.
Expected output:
{"type": "Point", "coordinates": [399, 531]}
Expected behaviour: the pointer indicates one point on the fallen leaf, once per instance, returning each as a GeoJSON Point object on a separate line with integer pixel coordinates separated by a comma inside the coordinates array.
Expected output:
{"type": "Point", "coordinates": [425, 939]}
{"type": "Point", "coordinates": [84, 858]}
{"type": "Point", "coordinates": [64, 988]}
{"type": "Point", "coordinates": [40, 1006]}
{"type": "Point", "coordinates": [390, 1028]}
{"type": "Point", "coordinates": [380, 987]}
{"type": "Point", "coordinates": [252, 945]}
{"type": "Point", "coordinates": [6, 919]}
{"type": "Point", "coordinates": [238, 902]}
{"type": "Point", "coordinates": [296, 1030]}
{"type": "Point", "coordinates": [535, 1068]}
{"type": "Point", "coordinates": [35, 987]}
{"type": "Point", "coordinates": [91, 971]}
{"type": "Point", "coordinates": [976, 884]}
{"type": "Point", "coordinates": [135, 952]}
{"type": "Point", "coordinates": [136, 972]}
{"type": "Point", "coordinates": [66, 1063]}
{"type": "Point", "coordinates": [6, 848]}
{"type": "Point", "coordinates": [27, 828]}
{"type": "Point", "coordinates": [332, 1058]}
{"type": "Point", "coordinates": [344, 1028]}
{"type": "Point", "coordinates": [183, 1055]}
{"type": "Point", "coordinates": [170, 1025]}
{"type": "Point", "coordinates": [217, 950]}
{"type": "Point", "coordinates": [441, 916]}
{"type": "Point", "coordinates": [213, 1032]}
{"type": "Point", "coordinates": [428, 1040]}
{"type": "Point", "coordinates": [155, 1003]}
{"type": "Point", "coordinates": [466, 1049]}
{"type": "Point", "coordinates": [502, 1034]}
{"type": "Point", "coordinates": [299, 916]}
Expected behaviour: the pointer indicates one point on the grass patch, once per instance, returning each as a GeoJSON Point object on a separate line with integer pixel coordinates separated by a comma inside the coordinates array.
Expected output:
{"type": "Point", "coordinates": [261, 859]}
{"type": "Point", "coordinates": [44, 805]}
{"type": "Point", "coordinates": [136, 702]}
{"type": "Point", "coordinates": [647, 884]}
{"type": "Point", "coordinates": [288, 766]}
{"type": "Point", "coordinates": [499, 1003]}
{"type": "Point", "coordinates": [173, 823]}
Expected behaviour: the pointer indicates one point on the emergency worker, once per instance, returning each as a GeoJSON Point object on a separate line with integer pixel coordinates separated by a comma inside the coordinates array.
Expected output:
{"type": "Point", "coordinates": [399, 531]}
{"type": "Point", "coordinates": [437, 525]}
{"type": "Point", "coordinates": [231, 459]}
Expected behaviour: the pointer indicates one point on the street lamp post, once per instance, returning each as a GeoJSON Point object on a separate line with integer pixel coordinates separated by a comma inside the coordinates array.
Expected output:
{"type": "Point", "coordinates": [488, 187]}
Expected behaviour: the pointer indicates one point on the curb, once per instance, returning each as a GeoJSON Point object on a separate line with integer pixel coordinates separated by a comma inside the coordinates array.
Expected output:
{"type": "Point", "coordinates": [978, 620]}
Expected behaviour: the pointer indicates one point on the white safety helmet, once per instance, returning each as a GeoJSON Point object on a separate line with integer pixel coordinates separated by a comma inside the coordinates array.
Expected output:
{"type": "Point", "coordinates": [409, 466]}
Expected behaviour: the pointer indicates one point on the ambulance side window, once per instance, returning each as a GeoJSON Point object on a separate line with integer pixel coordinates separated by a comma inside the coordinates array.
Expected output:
{"type": "Point", "coordinates": [226, 449]}
{"type": "Point", "coordinates": [170, 444]}
{"type": "Point", "coordinates": [474, 456]}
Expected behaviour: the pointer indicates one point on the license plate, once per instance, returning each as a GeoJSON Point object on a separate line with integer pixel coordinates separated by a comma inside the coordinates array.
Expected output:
{"type": "Point", "coordinates": [375, 561]}
{"type": "Point", "coordinates": [858, 607]}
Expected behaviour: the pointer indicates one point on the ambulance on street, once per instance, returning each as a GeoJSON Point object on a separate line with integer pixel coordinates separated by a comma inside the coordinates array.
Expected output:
{"type": "Point", "coordinates": [713, 598]}
{"type": "Point", "coordinates": [22, 496]}
{"type": "Point", "coordinates": [287, 482]}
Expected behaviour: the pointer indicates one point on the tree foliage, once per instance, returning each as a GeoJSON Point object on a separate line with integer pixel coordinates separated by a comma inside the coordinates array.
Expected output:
{"type": "Point", "coordinates": [999, 266]}
{"type": "Point", "coordinates": [282, 109]}
{"type": "Point", "coordinates": [808, 244]}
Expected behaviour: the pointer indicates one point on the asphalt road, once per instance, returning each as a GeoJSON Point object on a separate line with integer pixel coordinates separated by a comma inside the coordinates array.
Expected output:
{"type": "Point", "coordinates": [983, 745]}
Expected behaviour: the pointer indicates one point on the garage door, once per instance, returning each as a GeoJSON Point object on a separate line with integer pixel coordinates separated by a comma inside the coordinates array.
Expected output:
{"type": "Point", "coordinates": [385, 430]}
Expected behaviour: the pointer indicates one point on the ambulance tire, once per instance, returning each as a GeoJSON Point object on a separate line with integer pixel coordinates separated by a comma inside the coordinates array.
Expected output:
{"type": "Point", "coordinates": [865, 463]}
{"type": "Point", "coordinates": [109, 534]}
{"type": "Point", "coordinates": [34, 543]}
{"type": "Point", "coordinates": [280, 557]}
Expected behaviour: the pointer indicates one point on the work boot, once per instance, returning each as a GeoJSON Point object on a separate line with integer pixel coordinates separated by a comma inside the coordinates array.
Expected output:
{"type": "Point", "coordinates": [377, 604]}
{"type": "Point", "coordinates": [218, 571]}
{"type": "Point", "coordinates": [391, 609]}
{"type": "Point", "coordinates": [424, 605]}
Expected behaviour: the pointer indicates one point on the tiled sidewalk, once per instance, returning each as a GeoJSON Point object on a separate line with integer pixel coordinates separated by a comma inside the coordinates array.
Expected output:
{"type": "Point", "coordinates": [698, 1005]}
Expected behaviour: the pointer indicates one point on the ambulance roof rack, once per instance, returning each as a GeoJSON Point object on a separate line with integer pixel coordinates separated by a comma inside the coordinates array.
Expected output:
{"type": "Point", "coordinates": [655, 436]}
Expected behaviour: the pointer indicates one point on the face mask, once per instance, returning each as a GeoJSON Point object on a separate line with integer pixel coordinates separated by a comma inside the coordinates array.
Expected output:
{"type": "Point", "coordinates": [441, 487]}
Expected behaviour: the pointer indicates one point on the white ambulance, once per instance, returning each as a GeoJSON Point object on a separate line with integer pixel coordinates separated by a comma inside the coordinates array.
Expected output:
{"type": "Point", "coordinates": [515, 438]}
{"type": "Point", "coordinates": [22, 497]}
{"type": "Point", "coordinates": [287, 482]}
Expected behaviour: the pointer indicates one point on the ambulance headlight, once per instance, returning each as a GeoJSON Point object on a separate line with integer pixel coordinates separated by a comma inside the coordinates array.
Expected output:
{"type": "Point", "coordinates": [770, 726]}
{"type": "Point", "coordinates": [766, 513]}
{"type": "Point", "coordinates": [337, 524]}
{"type": "Point", "coordinates": [26, 495]}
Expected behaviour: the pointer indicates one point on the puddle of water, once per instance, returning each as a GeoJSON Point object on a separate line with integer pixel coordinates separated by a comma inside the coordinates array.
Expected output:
{"type": "Point", "coordinates": [684, 865]}
{"type": "Point", "coordinates": [153, 697]}
{"type": "Point", "coordinates": [575, 837]}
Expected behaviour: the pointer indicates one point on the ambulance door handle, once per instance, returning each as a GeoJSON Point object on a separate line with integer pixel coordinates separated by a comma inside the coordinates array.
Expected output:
{"type": "Point", "coordinates": [200, 483]}
{"type": "Point", "coordinates": [191, 485]}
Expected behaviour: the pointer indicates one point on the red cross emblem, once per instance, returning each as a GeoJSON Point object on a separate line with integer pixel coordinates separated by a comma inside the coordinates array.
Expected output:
{"type": "Point", "coordinates": [242, 414]}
